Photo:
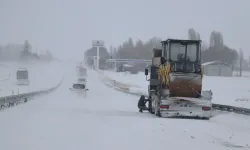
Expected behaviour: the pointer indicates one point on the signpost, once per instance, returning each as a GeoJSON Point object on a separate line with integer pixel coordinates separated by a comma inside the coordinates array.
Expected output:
{"type": "Point", "coordinates": [97, 44]}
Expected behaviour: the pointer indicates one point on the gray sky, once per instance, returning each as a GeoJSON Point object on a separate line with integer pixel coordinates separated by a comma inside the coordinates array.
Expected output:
{"type": "Point", "coordinates": [67, 27]}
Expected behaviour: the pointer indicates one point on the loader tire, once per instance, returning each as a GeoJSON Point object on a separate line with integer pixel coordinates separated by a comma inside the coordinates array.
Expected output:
{"type": "Point", "coordinates": [157, 110]}
{"type": "Point", "coordinates": [151, 111]}
{"type": "Point", "coordinates": [205, 118]}
{"type": "Point", "coordinates": [158, 114]}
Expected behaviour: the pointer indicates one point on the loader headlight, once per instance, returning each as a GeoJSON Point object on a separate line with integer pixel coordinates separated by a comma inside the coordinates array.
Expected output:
{"type": "Point", "coordinates": [197, 68]}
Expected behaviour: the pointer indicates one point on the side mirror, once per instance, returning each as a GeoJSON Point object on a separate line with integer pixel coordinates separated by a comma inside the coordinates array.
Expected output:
{"type": "Point", "coordinates": [163, 60]}
{"type": "Point", "coordinates": [146, 72]}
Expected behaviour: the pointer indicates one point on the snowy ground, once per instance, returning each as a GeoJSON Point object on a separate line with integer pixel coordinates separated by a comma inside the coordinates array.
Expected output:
{"type": "Point", "coordinates": [244, 73]}
{"type": "Point", "coordinates": [41, 75]}
{"type": "Point", "coordinates": [109, 120]}
{"type": "Point", "coordinates": [233, 91]}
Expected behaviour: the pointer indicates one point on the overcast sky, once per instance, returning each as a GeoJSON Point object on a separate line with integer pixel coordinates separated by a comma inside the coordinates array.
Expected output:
{"type": "Point", "coordinates": [67, 27]}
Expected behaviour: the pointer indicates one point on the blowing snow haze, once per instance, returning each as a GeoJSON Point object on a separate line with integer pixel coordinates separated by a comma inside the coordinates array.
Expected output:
{"type": "Point", "coordinates": [49, 100]}
{"type": "Point", "coordinates": [67, 28]}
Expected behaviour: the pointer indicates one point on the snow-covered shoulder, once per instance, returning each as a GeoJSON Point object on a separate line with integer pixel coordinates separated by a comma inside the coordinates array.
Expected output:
{"type": "Point", "coordinates": [234, 91]}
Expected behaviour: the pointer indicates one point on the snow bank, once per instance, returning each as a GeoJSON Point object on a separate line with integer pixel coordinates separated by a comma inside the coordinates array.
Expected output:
{"type": "Point", "coordinates": [234, 91]}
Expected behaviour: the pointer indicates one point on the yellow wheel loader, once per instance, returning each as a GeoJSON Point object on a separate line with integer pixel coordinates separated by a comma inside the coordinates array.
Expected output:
{"type": "Point", "coordinates": [175, 83]}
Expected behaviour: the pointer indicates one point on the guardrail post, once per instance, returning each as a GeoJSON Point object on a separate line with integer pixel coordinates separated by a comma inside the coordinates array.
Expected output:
{"type": "Point", "coordinates": [25, 99]}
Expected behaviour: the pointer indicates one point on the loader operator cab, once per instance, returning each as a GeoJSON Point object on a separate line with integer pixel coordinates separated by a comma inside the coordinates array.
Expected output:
{"type": "Point", "coordinates": [183, 55]}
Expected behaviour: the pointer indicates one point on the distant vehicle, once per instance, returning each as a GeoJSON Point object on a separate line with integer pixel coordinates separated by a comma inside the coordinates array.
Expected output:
{"type": "Point", "coordinates": [130, 68]}
{"type": "Point", "coordinates": [82, 71]}
{"type": "Point", "coordinates": [79, 88]}
{"type": "Point", "coordinates": [81, 80]}
{"type": "Point", "coordinates": [22, 76]}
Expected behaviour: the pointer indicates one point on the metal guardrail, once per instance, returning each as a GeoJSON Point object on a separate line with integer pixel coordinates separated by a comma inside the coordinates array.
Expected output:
{"type": "Point", "coordinates": [12, 100]}
{"type": "Point", "coordinates": [124, 88]}
{"type": "Point", "coordinates": [238, 110]}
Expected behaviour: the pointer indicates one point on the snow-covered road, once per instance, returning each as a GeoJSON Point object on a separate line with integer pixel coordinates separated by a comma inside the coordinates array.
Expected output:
{"type": "Point", "coordinates": [41, 75]}
{"type": "Point", "coordinates": [109, 120]}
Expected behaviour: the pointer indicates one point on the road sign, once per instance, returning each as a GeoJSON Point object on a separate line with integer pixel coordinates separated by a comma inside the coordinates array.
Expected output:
{"type": "Point", "coordinates": [97, 43]}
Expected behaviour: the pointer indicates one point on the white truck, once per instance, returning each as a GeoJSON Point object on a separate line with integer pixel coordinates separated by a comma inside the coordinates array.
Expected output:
{"type": "Point", "coordinates": [22, 76]}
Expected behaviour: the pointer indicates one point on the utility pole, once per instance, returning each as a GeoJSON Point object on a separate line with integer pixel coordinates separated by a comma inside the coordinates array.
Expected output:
{"type": "Point", "coordinates": [241, 61]}
{"type": "Point", "coordinates": [97, 57]}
